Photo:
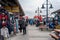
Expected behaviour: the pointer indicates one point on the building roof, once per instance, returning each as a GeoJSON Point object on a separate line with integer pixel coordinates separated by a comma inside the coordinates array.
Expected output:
{"type": "Point", "coordinates": [57, 11]}
{"type": "Point", "coordinates": [8, 2]}
{"type": "Point", "coordinates": [12, 3]}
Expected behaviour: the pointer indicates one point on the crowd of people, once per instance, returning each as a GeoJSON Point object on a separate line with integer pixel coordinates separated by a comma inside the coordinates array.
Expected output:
{"type": "Point", "coordinates": [13, 24]}
{"type": "Point", "coordinates": [51, 23]}
{"type": "Point", "coordinates": [9, 25]}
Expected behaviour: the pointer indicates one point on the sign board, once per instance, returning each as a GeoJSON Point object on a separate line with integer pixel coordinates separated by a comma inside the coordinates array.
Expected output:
{"type": "Point", "coordinates": [12, 8]}
{"type": "Point", "coordinates": [15, 9]}
{"type": "Point", "coordinates": [8, 8]}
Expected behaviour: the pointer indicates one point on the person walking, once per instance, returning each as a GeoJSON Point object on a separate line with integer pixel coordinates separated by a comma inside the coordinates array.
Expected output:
{"type": "Point", "coordinates": [22, 24]}
{"type": "Point", "coordinates": [51, 25]}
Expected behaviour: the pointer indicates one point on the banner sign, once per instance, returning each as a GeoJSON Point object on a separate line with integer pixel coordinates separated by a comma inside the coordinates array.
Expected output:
{"type": "Point", "coordinates": [15, 9]}
{"type": "Point", "coordinates": [8, 8]}
{"type": "Point", "coordinates": [12, 8]}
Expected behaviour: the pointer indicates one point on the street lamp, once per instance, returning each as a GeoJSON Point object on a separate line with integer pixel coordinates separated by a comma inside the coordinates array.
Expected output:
{"type": "Point", "coordinates": [38, 11]}
{"type": "Point", "coordinates": [46, 9]}
{"type": "Point", "coordinates": [51, 6]}
{"type": "Point", "coordinates": [42, 6]}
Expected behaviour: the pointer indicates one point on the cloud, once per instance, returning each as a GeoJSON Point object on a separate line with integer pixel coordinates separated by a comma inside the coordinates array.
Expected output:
{"type": "Point", "coordinates": [29, 6]}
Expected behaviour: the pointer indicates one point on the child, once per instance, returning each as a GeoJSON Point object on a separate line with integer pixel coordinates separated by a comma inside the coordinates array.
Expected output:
{"type": "Point", "coordinates": [4, 32]}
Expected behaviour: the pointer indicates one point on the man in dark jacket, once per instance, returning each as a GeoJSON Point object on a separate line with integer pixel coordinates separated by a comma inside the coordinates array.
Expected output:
{"type": "Point", "coordinates": [22, 24]}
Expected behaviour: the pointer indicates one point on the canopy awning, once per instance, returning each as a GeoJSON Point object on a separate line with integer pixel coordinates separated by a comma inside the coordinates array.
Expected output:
{"type": "Point", "coordinates": [57, 11]}
{"type": "Point", "coordinates": [11, 3]}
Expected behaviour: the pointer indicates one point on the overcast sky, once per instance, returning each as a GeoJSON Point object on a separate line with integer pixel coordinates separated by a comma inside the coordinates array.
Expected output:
{"type": "Point", "coordinates": [29, 6]}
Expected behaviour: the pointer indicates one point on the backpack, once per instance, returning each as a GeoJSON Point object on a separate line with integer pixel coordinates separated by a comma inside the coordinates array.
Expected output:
{"type": "Point", "coordinates": [20, 22]}
{"type": "Point", "coordinates": [26, 24]}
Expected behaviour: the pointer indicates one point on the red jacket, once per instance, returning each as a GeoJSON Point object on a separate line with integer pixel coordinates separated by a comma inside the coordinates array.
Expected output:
{"type": "Point", "coordinates": [6, 17]}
